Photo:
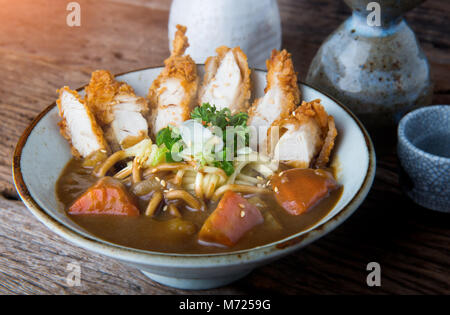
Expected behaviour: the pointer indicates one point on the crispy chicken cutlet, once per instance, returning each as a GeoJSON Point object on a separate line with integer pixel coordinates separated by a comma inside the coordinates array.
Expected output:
{"type": "Point", "coordinates": [282, 96]}
{"type": "Point", "coordinates": [173, 94]}
{"type": "Point", "coordinates": [118, 110]}
{"type": "Point", "coordinates": [310, 130]}
{"type": "Point", "coordinates": [78, 124]}
{"type": "Point", "coordinates": [226, 83]}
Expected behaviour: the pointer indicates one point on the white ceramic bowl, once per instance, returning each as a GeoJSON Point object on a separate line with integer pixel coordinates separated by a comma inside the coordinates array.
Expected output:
{"type": "Point", "coordinates": [41, 154]}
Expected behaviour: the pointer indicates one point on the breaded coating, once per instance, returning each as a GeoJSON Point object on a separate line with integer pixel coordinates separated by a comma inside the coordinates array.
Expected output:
{"type": "Point", "coordinates": [173, 94]}
{"type": "Point", "coordinates": [226, 83]}
{"type": "Point", "coordinates": [100, 94]}
{"type": "Point", "coordinates": [282, 96]}
{"type": "Point", "coordinates": [78, 124]}
{"type": "Point", "coordinates": [306, 138]}
{"type": "Point", "coordinates": [180, 41]}
{"type": "Point", "coordinates": [118, 110]}
{"type": "Point", "coordinates": [328, 145]}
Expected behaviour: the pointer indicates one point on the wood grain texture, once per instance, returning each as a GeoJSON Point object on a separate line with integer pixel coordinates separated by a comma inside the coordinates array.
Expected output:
{"type": "Point", "coordinates": [39, 53]}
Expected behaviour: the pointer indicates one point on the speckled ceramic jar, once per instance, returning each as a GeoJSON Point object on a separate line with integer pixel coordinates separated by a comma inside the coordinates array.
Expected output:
{"type": "Point", "coordinates": [424, 153]}
{"type": "Point", "coordinates": [380, 72]}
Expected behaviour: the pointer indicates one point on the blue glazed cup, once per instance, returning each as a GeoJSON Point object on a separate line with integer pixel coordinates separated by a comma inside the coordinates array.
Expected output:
{"type": "Point", "coordinates": [424, 152]}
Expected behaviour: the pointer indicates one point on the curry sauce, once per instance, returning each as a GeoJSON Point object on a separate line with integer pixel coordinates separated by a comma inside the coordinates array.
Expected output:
{"type": "Point", "coordinates": [163, 233]}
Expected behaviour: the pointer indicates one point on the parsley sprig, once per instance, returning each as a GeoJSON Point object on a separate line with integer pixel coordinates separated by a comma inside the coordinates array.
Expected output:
{"type": "Point", "coordinates": [221, 118]}
{"type": "Point", "coordinates": [166, 139]}
{"type": "Point", "coordinates": [209, 116]}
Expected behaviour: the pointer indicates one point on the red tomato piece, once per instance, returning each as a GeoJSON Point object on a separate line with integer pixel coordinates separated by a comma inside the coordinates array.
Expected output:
{"type": "Point", "coordinates": [297, 190]}
{"type": "Point", "coordinates": [107, 197]}
{"type": "Point", "coordinates": [233, 217]}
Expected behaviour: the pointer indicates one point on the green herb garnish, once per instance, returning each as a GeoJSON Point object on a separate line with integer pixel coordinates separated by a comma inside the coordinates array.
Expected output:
{"type": "Point", "coordinates": [167, 136]}
{"type": "Point", "coordinates": [209, 116]}
{"type": "Point", "coordinates": [159, 155]}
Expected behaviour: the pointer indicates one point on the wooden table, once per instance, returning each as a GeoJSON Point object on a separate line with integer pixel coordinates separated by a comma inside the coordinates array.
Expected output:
{"type": "Point", "coordinates": [39, 53]}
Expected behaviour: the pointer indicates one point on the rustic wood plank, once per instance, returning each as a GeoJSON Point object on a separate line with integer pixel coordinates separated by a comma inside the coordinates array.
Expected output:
{"type": "Point", "coordinates": [408, 242]}
{"type": "Point", "coordinates": [51, 54]}
{"type": "Point", "coordinates": [39, 53]}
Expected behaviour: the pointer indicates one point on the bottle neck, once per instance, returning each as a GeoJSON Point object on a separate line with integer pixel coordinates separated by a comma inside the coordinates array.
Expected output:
{"type": "Point", "coordinates": [367, 25]}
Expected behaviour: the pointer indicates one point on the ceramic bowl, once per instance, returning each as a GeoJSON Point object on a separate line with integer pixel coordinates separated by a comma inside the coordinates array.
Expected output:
{"type": "Point", "coordinates": [424, 153]}
{"type": "Point", "coordinates": [41, 154]}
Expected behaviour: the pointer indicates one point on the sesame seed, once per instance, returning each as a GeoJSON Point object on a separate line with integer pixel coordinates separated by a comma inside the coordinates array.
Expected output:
{"type": "Point", "coordinates": [157, 178]}
{"type": "Point", "coordinates": [275, 189]}
{"type": "Point", "coordinates": [163, 183]}
{"type": "Point", "coordinates": [165, 208]}
{"type": "Point", "coordinates": [242, 206]}
{"type": "Point", "coordinates": [281, 173]}
{"type": "Point", "coordinates": [242, 213]}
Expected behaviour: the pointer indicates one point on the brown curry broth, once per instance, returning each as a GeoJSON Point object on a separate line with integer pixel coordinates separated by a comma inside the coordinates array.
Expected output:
{"type": "Point", "coordinates": [154, 234]}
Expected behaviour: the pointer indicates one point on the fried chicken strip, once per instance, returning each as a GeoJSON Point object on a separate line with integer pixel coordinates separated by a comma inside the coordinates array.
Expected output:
{"type": "Point", "coordinates": [281, 97]}
{"type": "Point", "coordinates": [78, 124]}
{"type": "Point", "coordinates": [173, 94]}
{"type": "Point", "coordinates": [117, 108]}
{"type": "Point", "coordinates": [306, 138]}
{"type": "Point", "coordinates": [226, 83]}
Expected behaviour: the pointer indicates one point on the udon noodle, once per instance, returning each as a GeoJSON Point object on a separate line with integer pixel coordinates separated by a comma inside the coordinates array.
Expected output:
{"type": "Point", "coordinates": [197, 182]}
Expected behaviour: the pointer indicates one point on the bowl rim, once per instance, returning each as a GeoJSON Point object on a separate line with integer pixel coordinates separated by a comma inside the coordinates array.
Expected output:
{"type": "Point", "coordinates": [130, 254]}
{"type": "Point", "coordinates": [401, 133]}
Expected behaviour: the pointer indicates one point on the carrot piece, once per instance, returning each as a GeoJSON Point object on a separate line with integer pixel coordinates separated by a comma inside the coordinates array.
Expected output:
{"type": "Point", "coordinates": [297, 190]}
{"type": "Point", "coordinates": [233, 217]}
{"type": "Point", "coordinates": [107, 197]}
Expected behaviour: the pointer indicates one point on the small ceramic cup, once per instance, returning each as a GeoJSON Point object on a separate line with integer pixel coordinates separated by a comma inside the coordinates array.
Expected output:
{"type": "Point", "coordinates": [424, 153]}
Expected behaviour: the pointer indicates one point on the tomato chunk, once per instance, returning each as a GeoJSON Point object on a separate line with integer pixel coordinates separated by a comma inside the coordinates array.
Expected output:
{"type": "Point", "coordinates": [108, 197]}
{"type": "Point", "coordinates": [233, 217]}
{"type": "Point", "coordinates": [297, 190]}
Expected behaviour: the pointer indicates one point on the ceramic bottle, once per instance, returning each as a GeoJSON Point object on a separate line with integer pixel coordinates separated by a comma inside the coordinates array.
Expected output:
{"type": "Point", "coordinates": [374, 64]}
